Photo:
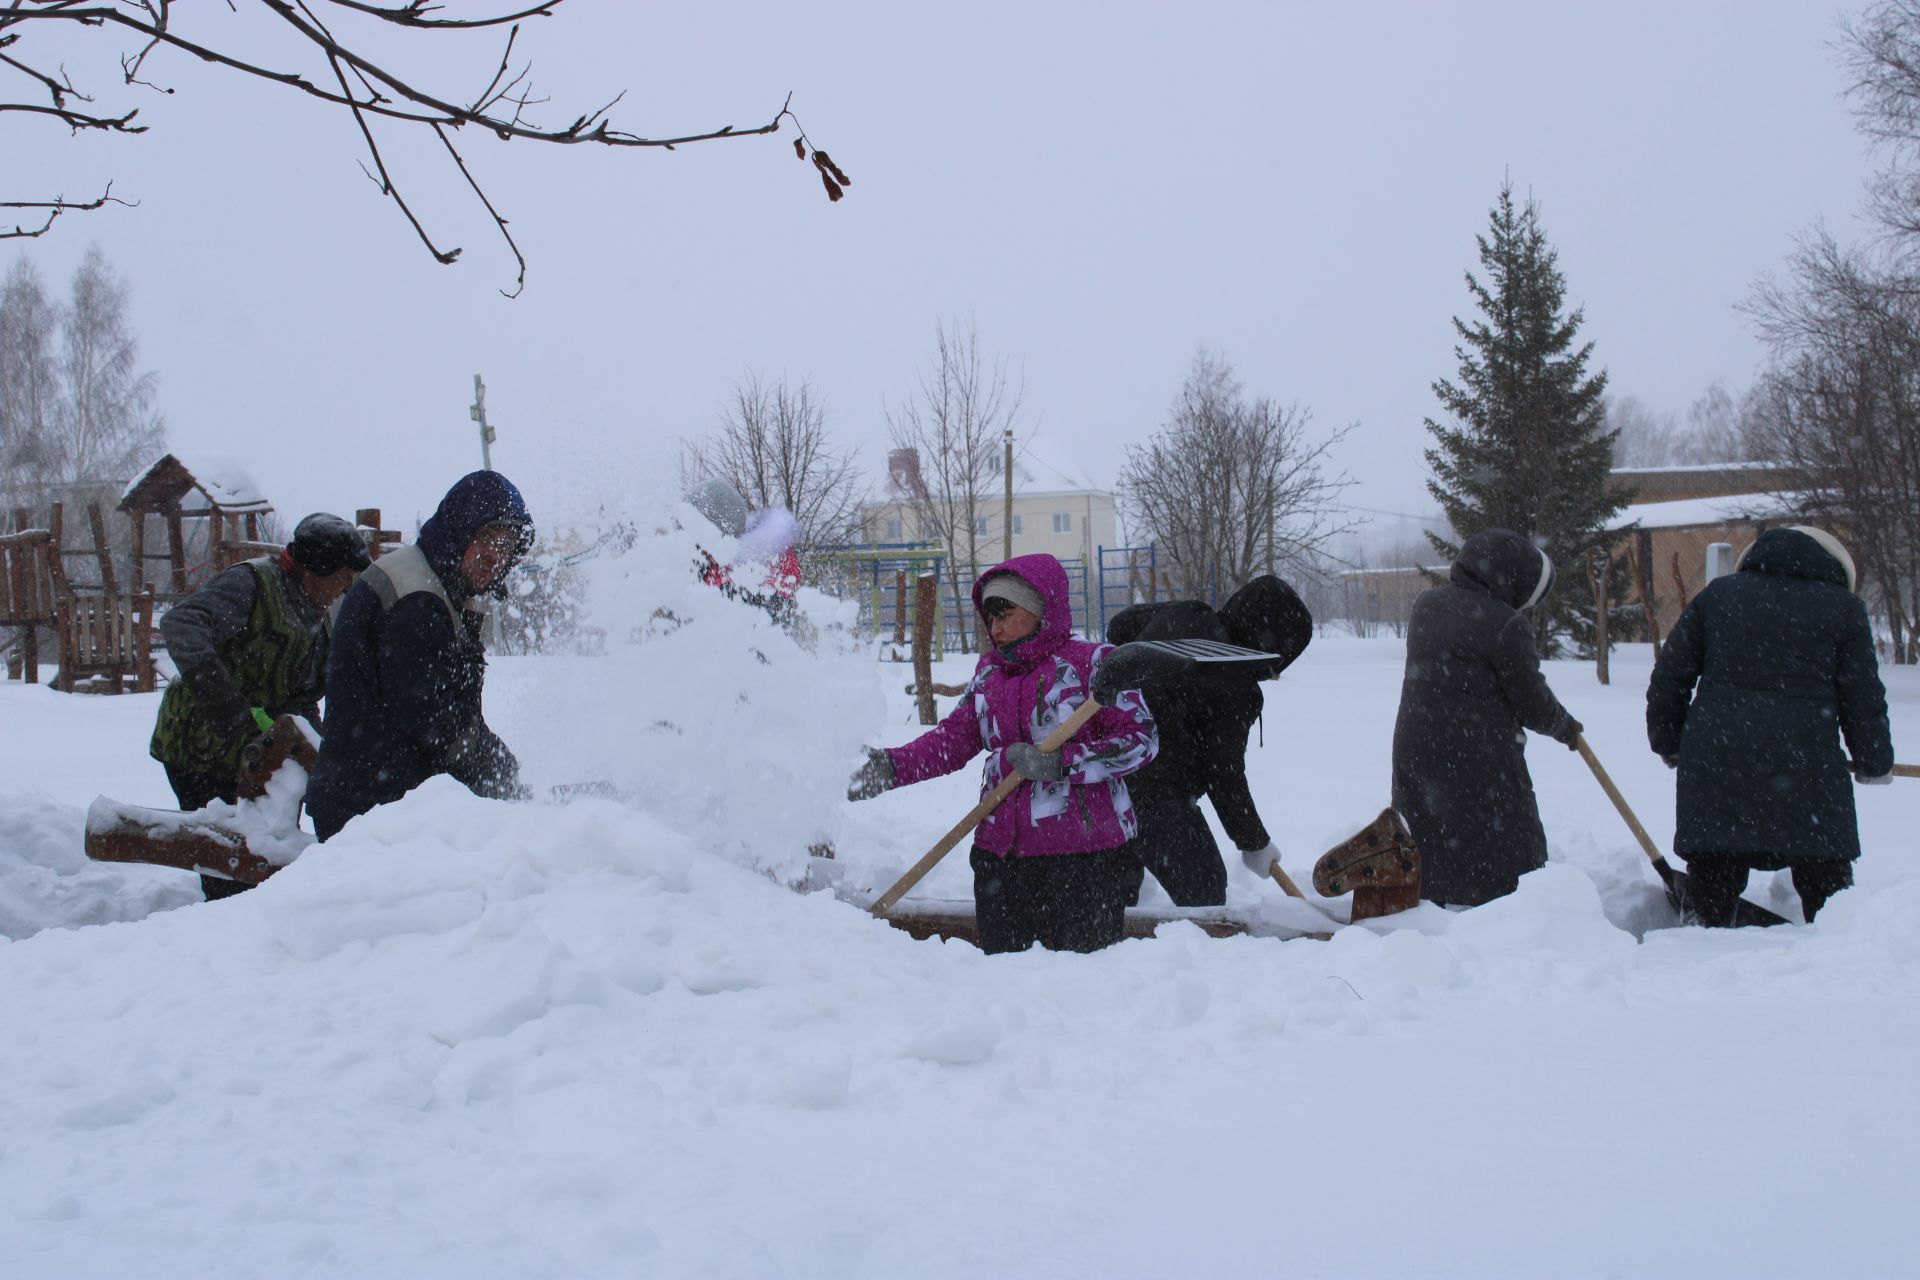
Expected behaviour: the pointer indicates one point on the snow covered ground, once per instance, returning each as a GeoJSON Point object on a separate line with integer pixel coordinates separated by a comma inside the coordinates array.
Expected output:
{"type": "Point", "coordinates": [481, 1040]}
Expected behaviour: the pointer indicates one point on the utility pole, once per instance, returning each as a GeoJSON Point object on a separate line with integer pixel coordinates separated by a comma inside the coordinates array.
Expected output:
{"type": "Point", "coordinates": [478, 412]}
{"type": "Point", "coordinates": [1006, 516]}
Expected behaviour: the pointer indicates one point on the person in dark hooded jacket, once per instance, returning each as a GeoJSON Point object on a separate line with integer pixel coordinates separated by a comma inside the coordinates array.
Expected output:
{"type": "Point", "coordinates": [1768, 669]}
{"type": "Point", "coordinates": [1473, 686]}
{"type": "Point", "coordinates": [1204, 721]}
{"type": "Point", "coordinates": [405, 675]}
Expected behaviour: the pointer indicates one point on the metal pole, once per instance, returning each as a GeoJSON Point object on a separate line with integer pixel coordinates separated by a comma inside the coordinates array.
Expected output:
{"type": "Point", "coordinates": [478, 412]}
{"type": "Point", "coordinates": [1006, 533]}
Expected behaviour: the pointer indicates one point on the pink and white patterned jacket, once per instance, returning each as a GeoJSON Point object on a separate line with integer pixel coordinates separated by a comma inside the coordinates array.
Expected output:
{"type": "Point", "coordinates": [1022, 699]}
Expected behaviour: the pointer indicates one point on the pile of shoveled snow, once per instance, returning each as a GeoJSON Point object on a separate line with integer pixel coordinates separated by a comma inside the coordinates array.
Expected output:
{"type": "Point", "coordinates": [468, 1038]}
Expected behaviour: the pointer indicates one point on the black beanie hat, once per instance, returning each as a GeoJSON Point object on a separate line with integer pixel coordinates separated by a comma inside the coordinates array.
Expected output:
{"type": "Point", "coordinates": [323, 543]}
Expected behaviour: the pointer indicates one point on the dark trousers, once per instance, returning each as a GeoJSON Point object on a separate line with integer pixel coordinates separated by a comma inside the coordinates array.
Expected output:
{"type": "Point", "coordinates": [197, 791]}
{"type": "Point", "coordinates": [1063, 901]}
{"type": "Point", "coordinates": [1714, 881]}
{"type": "Point", "coordinates": [1176, 844]}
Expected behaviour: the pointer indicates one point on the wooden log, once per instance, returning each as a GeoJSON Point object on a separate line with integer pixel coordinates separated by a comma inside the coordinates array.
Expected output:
{"type": "Point", "coordinates": [954, 918]}
{"type": "Point", "coordinates": [285, 741]}
{"type": "Point", "coordinates": [166, 838]}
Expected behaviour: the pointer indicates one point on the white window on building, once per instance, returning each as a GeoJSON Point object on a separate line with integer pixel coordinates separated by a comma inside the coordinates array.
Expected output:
{"type": "Point", "coordinates": [1017, 530]}
{"type": "Point", "coordinates": [1063, 522]}
{"type": "Point", "coordinates": [895, 532]}
{"type": "Point", "coordinates": [979, 526]}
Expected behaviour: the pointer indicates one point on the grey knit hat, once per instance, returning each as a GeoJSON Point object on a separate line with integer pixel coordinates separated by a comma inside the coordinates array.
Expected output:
{"type": "Point", "coordinates": [1014, 590]}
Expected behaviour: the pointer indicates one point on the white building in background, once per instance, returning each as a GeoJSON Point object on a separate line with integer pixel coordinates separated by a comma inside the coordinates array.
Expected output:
{"type": "Point", "coordinates": [1057, 508]}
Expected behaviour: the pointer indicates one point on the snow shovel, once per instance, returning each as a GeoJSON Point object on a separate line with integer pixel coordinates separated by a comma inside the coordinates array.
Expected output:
{"type": "Point", "coordinates": [1745, 914]}
{"type": "Point", "coordinates": [1906, 771]}
{"type": "Point", "coordinates": [1127, 667]}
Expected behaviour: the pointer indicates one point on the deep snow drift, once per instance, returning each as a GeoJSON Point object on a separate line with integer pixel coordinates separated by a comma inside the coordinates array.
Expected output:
{"type": "Point", "coordinates": [474, 1039]}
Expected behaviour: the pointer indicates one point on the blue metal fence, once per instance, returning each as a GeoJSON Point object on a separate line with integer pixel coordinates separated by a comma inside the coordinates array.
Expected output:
{"type": "Point", "coordinates": [1125, 576]}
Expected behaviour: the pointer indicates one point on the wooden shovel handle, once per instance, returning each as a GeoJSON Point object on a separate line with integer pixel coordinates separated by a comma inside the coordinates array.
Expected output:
{"type": "Point", "coordinates": [1285, 881]}
{"type": "Point", "coordinates": [975, 816]}
{"type": "Point", "coordinates": [1906, 771]}
{"type": "Point", "coordinates": [1619, 801]}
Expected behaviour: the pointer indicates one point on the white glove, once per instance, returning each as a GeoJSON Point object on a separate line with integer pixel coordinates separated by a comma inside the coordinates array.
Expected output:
{"type": "Point", "coordinates": [1261, 861]}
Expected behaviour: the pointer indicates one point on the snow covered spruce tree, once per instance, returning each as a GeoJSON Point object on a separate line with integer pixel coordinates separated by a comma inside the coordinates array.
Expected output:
{"type": "Point", "coordinates": [1525, 445]}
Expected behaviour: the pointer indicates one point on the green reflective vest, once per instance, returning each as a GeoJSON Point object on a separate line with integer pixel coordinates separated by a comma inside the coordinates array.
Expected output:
{"type": "Point", "coordinates": [270, 660]}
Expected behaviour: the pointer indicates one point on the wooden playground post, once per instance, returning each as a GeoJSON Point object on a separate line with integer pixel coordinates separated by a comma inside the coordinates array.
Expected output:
{"type": "Point", "coordinates": [102, 550]}
{"type": "Point", "coordinates": [926, 607]}
{"type": "Point", "coordinates": [177, 551]}
{"type": "Point", "coordinates": [899, 606]}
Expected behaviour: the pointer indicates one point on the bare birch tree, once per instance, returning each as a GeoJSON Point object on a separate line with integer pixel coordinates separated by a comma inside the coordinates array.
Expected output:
{"type": "Point", "coordinates": [29, 388]}
{"type": "Point", "coordinates": [108, 423]}
{"type": "Point", "coordinates": [954, 425]}
{"type": "Point", "coordinates": [772, 445]}
{"type": "Point", "coordinates": [1230, 488]}
{"type": "Point", "coordinates": [77, 415]}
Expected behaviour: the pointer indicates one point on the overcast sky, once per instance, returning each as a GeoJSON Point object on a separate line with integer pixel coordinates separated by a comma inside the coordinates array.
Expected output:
{"type": "Point", "coordinates": [1100, 189]}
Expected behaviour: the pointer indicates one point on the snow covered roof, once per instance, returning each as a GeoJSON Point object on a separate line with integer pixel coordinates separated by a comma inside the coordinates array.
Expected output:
{"type": "Point", "coordinates": [198, 481]}
{"type": "Point", "coordinates": [1684, 467]}
{"type": "Point", "coordinates": [1686, 513]}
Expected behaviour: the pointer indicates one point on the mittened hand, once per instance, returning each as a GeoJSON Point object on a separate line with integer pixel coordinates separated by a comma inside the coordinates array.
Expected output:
{"type": "Point", "coordinates": [1885, 779]}
{"type": "Point", "coordinates": [1261, 861]}
{"type": "Point", "coordinates": [872, 778]}
{"type": "Point", "coordinates": [1033, 764]}
{"type": "Point", "coordinates": [1570, 735]}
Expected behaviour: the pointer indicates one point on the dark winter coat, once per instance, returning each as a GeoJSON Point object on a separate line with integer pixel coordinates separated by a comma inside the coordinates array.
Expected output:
{"type": "Point", "coordinates": [407, 668]}
{"type": "Point", "coordinates": [1764, 674]}
{"type": "Point", "coordinates": [1021, 696]}
{"type": "Point", "coordinates": [1205, 720]}
{"type": "Point", "coordinates": [1472, 687]}
{"type": "Point", "coordinates": [249, 638]}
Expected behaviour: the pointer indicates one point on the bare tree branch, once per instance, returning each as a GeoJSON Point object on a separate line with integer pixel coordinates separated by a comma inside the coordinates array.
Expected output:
{"type": "Point", "coordinates": [371, 92]}
{"type": "Point", "coordinates": [56, 207]}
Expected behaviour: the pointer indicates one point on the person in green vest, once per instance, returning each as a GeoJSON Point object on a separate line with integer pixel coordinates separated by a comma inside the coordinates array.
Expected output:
{"type": "Point", "coordinates": [249, 646]}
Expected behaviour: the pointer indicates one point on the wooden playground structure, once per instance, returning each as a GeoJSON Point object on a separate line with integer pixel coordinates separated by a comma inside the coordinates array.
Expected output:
{"type": "Point", "coordinates": [104, 629]}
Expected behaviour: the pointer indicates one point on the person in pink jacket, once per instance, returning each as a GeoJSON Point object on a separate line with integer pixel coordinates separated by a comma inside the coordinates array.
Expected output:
{"type": "Point", "coordinates": [1048, 864]}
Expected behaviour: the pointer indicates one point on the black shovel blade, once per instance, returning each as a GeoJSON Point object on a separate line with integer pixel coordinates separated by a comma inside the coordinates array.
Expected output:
{"type": "Point", "coordinates": [1746, 915]}
{"type": "Point", "coordinates": [1144, 662]}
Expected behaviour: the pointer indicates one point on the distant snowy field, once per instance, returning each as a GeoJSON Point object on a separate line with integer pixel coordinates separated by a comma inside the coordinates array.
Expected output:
{"type": "Point", "coordinates": [469, 1039]}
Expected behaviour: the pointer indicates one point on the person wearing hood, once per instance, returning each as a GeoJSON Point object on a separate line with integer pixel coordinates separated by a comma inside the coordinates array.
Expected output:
{"type": "Point", "coordinates": [1767, 671]}
{"type": "Point", "coordinates": [1204, 721]}
{"type": "Point", "coordinates": [405, 676]}
{"type": "Point", "coordinates": [1049, 864]}
{"type": "Point", "coordinates": [249, 646]}
{"type": "Point", "coordinates": [1473, 687]}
